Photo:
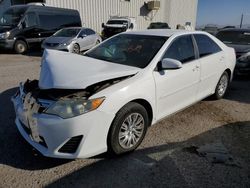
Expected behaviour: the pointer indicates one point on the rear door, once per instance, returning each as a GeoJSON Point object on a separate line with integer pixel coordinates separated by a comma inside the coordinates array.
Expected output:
{"type": "Point", "coordinates": [212, 60]}
{"type": "Point", "coordinates": [176, 89]}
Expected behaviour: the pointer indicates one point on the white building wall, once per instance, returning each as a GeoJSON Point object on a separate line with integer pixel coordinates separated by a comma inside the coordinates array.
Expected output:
{"type": "Point", "coordinates": [182, 11]}
{"type": "Point", "coordinates": [95, 12]}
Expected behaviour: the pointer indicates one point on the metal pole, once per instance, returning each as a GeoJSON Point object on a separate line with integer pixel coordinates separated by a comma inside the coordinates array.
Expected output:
{"type": "Point", "coordinates": [241, 21]}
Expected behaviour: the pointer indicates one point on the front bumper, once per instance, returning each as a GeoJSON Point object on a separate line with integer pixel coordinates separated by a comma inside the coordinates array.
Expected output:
{"type": "Point", "coordinates": [49, 133]}
{"type": "Point", "coordinates": [68, 48]}
{"type": "Point", "coordinates": [7, 43]}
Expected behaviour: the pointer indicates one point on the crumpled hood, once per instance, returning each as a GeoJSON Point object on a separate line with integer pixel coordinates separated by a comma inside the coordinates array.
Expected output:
{"type": "Point", "coordinates": [62, 70]}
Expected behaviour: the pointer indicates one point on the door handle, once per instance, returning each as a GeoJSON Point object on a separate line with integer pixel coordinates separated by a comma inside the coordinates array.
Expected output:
{"type": "Point", "coordinates": [196, 68]}
{"type": "Point", "coordinates": [222, 58]}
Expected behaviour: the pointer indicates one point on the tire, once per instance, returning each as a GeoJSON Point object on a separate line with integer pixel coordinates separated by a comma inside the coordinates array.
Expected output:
{"type": "Point", "coordinates": [130, 136]}
{"type": "Point", "coordinates": [76, 49]}
{"type": "Point", "coordinates": [222, 86]}
{"type": "Point", "coordinates": [97, 42]}
{"type": "Point", "coordinates": [21, 47]}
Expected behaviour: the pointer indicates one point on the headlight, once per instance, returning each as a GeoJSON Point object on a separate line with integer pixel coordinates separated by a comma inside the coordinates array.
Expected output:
{"type": "Point", "coordinates": [4, 35]}
{"type": "Point", "coordinates": [73, 107]}
{"type": "Point", "coordinates": [65, 44]}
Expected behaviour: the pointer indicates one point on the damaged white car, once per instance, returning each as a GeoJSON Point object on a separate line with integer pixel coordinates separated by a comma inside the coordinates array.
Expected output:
{"type": "Point", "coordinates": [105, 100]}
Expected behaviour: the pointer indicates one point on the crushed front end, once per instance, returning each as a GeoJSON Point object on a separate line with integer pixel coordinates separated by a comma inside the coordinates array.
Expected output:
{"type": "Point", "coordinates": [81, 136]}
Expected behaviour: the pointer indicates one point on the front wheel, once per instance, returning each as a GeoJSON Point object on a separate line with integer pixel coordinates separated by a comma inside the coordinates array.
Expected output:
{"type": "Point", "coordinates": [128, 129]}
{"type": "Point", "coordinates": [20, 47]}
{"type": "Point", "coordinates": [222, 86]}
{"type": "Point", "coordinates": [76, 49]}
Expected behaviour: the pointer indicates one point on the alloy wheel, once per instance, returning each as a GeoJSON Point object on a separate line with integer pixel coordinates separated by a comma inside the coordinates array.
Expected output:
{"type": "Point", "coordinates": [131, 130]}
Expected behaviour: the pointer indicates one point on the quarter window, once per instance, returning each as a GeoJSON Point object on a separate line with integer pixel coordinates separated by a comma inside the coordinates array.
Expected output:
{"type": "Point", "coordinates": [206, 45]}
{"type": "Point", "coordinates": [182, 49]}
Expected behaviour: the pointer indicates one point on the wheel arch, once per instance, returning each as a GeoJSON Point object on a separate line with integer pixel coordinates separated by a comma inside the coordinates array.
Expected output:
{"type": "Point", "coordinates": [229, 72]}
{"type": "Point", "coordinates": [147, 106]}
{"type": "Point", "coordinates": [22, 39]}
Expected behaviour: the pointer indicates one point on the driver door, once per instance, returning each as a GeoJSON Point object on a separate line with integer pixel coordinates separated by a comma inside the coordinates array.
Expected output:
{"type": "Point", "coordinates": [176, 89]}
{"type": "Point", "coordinates": [84, 40]}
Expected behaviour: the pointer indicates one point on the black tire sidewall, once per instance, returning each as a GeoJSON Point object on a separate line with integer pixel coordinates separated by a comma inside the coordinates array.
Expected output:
{"type": "Point", "coordinates": [24, 45]}
{"type": "Point", "coordinates": [78, 47]}
{"type": "Point", "coordinates": [216, 94]}
{"type": "Point", "coordinates": [113, 142]}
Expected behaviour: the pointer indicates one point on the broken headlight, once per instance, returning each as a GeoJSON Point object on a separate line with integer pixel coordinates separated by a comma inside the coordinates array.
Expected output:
{"type": "Point", "coordinates": [69, 108]}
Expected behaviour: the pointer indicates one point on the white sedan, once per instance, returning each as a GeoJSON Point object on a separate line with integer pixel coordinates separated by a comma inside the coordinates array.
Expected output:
{"type": "Point", "coordinates": [72, 39]}
{"type": "Point", "coordinates": [105, 100]}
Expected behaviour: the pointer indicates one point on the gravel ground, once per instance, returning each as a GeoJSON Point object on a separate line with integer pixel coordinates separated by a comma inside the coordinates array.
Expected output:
{"type": "Point", "coordinates": [167, 157]}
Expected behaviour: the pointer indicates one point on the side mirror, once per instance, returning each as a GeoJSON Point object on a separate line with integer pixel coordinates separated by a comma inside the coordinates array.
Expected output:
{"type": "Point", "coordinates": [103, 25]}
{"type": "Point", "coordinates": [168, 63]}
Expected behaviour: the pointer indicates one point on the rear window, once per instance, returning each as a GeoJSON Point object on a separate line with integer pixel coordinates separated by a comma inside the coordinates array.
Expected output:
{"type": "Point", "coordinates": [206, 45]}
{"type": "Point", "coordinates": [234, 37]}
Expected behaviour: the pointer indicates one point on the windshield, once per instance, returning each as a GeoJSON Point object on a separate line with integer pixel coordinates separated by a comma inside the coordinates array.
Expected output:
{"type": "Point", "coordinates": [158, 25]}
{"type": "Point", "coordinates": [67, 33]}
{"type": "Point", "coordinates": [12, 16]}
{"type": "Point", "coordinates": [128, 49]}
{"type": "Point", "coordinates": [118, 22]}
{"type": "Point", "coordinates": [235, 37]}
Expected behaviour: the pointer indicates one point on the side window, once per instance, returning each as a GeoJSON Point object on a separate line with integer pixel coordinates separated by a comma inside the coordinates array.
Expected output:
{"type": "Point", "coordinates": [182, 49]}
{"type": "Point", "coordinates": [206, 45]}
{"type": "Point", "coordinates": [82, 33]}
{"type": "Point", "coordinates": [30, 19]}
{"type": "Point", "coordinates": [90, 32]}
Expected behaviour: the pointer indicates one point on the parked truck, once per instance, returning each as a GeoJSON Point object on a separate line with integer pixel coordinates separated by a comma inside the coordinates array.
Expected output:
{"type": "Point", "coordinates": [117, 24]}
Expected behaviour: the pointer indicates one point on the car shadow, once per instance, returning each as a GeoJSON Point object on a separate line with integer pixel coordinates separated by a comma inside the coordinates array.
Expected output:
{"type": "Point", "coordinates": [168, 165]}
{"type": "Point", "coordinates": [14, 150]}
{"type": "Point", "coordinates": [239, 90]}
{"type": "Point", "coordinates": [34, 52]}
{"type": "Point", "coordinates": [164, 165]}
{"type": "Point", "coordinates": [138, 168]}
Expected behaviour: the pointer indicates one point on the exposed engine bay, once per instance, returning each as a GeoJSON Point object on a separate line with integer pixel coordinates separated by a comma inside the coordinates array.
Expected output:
{"type": "Point", "coordinates": [56, 94]}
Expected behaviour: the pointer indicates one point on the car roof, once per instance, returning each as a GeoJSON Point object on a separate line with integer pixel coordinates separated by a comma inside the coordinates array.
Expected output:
{"type": "Point", "coordinates": [76, 28]}
{"type": "Point", "coordinates": [164, 32]}
{"type": "Point", "coordinates": [236, 30]}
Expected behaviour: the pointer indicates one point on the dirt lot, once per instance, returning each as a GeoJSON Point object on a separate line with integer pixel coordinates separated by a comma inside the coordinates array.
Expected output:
{"type": "Point", "coordinates": [168, 156]}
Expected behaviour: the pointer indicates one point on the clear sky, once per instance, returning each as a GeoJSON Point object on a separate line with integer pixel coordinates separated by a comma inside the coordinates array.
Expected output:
{"type": "Point", "coordinates": [222, 12]}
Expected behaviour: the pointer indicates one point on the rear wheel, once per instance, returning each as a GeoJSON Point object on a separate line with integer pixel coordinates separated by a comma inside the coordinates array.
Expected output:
{"type": "Point", "coordinates": [222, 86]}
{"type": "Point", "coordinates": [76, 49]}
{"type": "Point", "coordinates": [20, 47]}
{"type": "Point", "coordinates": [128, 129]}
